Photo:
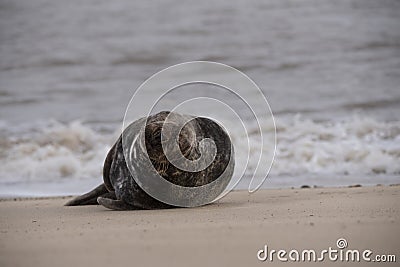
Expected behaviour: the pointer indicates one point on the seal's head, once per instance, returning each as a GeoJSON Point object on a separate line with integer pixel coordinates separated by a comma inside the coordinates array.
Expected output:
{"type": "Point", "coordinates": [167, 129]}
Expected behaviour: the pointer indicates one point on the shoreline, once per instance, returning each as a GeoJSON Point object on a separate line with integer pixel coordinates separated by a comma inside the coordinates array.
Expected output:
{"type": "Point", "coordinates": [68, 196]}
{"type": "Point", "coordinates": [229, 232]}
{"type": "Point", "coordinates": [69, 187]}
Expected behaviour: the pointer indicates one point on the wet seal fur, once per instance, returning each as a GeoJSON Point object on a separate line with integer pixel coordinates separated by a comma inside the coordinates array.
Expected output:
{"type": "Point", "coordinates": [120, 191]}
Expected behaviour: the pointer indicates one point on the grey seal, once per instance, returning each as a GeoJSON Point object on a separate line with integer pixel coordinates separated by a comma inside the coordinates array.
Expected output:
{"type": "Point", "coordinates": [120, 191]}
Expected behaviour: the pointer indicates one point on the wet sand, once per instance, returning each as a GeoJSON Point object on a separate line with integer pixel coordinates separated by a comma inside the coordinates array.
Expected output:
{"type": "Point", "coordinates": [43, 232]}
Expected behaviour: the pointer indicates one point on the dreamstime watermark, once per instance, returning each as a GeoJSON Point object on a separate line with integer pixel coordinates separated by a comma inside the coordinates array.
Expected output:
{"type": "Point", "coordinates": [223, 94]}
{"type": "Point", "coordinates": [339, 253]}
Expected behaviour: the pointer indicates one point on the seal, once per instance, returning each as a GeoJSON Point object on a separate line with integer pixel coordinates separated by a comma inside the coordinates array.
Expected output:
{"type": "Point", "coordinates": [120, 191]}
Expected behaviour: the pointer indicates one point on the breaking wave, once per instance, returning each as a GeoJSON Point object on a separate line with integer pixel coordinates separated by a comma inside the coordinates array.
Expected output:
{"type": "Point", "coordinates": [53, 151]}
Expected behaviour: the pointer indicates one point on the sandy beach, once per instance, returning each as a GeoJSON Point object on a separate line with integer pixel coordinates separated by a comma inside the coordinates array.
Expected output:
{"type": "Point", "coordinates": [43, 232]}
{"type": "Point", "coordinates": [310, 96]}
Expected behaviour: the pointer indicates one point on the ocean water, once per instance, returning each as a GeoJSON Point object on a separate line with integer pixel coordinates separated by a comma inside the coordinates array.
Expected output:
{"type": "Point", "coordinates": [330, 72]}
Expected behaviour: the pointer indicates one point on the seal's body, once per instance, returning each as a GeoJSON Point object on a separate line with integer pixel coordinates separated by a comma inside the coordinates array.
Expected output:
{"type": "Point", "coordinates": [121, 191]}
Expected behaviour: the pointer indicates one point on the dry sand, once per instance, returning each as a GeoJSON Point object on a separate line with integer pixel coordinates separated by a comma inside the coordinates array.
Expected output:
{"type": "Point", "coordinates": [42, 232]}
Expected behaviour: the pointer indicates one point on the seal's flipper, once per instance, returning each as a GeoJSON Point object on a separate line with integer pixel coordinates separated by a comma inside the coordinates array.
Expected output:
{"type": "Point", "coordinates": [114, 204]}
{"type": "Point", "coordinates": [89, 198]}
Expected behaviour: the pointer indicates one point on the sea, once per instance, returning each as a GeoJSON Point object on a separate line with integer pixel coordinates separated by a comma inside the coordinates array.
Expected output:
{"type": "Point", "coordinates": [330, 71]}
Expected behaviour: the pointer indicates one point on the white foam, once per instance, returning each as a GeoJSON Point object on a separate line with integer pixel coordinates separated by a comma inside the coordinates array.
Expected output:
{"type": "Point", "coordinates": [61, 153]}
{"type": "Point", "coordinates": [357, 145]}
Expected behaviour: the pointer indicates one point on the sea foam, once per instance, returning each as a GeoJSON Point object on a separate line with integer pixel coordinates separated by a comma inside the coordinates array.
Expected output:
{"type": "Point", "coordinates": [53, 151]}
